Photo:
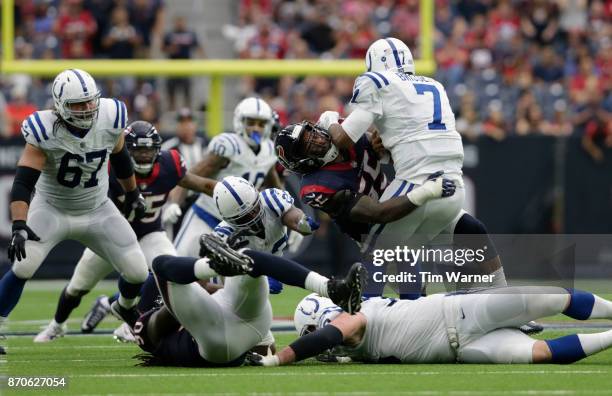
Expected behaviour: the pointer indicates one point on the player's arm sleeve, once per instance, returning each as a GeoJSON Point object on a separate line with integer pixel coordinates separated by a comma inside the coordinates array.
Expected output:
{"type": "Point", "coordinates": [279, 201]}
{"type": "Point", "coordinates": [366, 103]}
{"type": "Point", "coordinates": [317, 342]}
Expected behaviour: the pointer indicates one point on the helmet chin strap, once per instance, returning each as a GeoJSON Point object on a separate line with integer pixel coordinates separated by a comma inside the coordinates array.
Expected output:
{"type": "Point", "coordinates": [331, 154]}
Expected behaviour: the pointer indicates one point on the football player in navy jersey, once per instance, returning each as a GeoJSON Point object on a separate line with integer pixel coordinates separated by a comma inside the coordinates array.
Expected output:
{"type": "Point", "coordinates": [157, 172]}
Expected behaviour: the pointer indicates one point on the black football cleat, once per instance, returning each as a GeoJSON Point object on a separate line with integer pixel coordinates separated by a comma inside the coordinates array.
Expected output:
{"type": "Point", "coordinates": [129, 316]}
{"type": "Point", "coordinates": [347, 292]}
{"type": "Point", "coordinates": [531, 328]}
{"type": "Point", "coordinates": [98, 311]}
{"type": "Point", "coordinates": [2, 351]}
{"type": "Point", "coordinates": [224, 260]}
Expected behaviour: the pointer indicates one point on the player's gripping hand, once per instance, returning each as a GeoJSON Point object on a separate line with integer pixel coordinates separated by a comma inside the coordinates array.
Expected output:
{"type": "Point", "coordinates": [21, 233]}
{"type": "Point", "coordinates": [307, 225]}
{"type": "Point", "coordinates": [327, 118]}
{"type": "Point", "coordinates": [434, 187]}
{"type": "Point", "coordinates": [171, 213]}
{"type": "Point", "coordinates": [255, 359]}
{"type": "Point", "coordinates": [134, 201]}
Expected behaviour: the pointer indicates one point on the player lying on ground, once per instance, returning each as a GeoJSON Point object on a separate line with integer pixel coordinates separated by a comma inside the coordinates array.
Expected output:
{"type": "Point", "coordinates": [218, 329]}
{"type": "Point", "coordinates": [65, 160]}
{"type": "Point", "coordinates": [248, 153]}
{"type": "Point", "coordinates": [157, 173]}
{"type": "Point", "coordinates": [452, 328]}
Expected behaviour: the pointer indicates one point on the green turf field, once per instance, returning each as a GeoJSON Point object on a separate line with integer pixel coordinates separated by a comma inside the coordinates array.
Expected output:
{"type": "Point", "coordinates": [97, 365]}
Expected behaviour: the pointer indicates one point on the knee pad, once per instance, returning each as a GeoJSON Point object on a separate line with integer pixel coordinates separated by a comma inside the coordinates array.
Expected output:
{"type": "Point", "coordinates": [136, 270]}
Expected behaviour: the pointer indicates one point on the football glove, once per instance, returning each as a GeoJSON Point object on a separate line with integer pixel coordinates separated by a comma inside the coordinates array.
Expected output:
{"type": "Point", "coordinates": [434, 187]}
{"type": "Point", "coordinates": [275, 286]}
{"type": "Point", "coordinates": [307, 226]}
{"type": "Point", "coordinates": [134, 202]}
{"type": "Point", "coordinates": [327, 118]}
{"type": "Point", "coordinates": [255, 359]}
{"type": "Point", "coordinates": [171, 213]}
{"type": "Point", "coordinates": [21, 233]}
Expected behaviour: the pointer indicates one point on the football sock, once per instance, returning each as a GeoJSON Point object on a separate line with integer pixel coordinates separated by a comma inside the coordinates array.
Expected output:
{"type": "Point", "coordinates": [66, 304]}
{"type": "Point", "coordinates": [11, 288]}
{"type": "Point", "coordinates": [584, 305]}
{"type": "Point", "coordinates": [499, 278]}
{"type": "Point", "coordinates": [148, 295]}
{"type": "Point", "coordinates": [129, 293]}
{"type": "Point", "coordinates": [574, 347]}
{"type": "Point", "coordinates": [175, 269]}
{"type": "Point", "coordinates": [316, 283]}
{"type": "Point", "coordinates": [202, 269]}
{"type": "Point", "coordinates": [284, 270]}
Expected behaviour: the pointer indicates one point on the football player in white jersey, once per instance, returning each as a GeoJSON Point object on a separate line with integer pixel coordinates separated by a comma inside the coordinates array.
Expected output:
{"type": "Point", "coordinates": [248, 153]}
{"type": "Point", "coordinates": [417, 125]}
{"type": "Point", "coordinates": [65, 159]}
{"type": "Point", "coordinates": [478, 327]}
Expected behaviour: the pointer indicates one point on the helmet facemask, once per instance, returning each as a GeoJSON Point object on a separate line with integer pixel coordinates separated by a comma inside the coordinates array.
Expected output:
{"type": "Point", "coordinates": [144, 156]}
{"type": "Point", "coordinates": [250, 219]}
{"type": "Point", "coordinates": [81, 114]}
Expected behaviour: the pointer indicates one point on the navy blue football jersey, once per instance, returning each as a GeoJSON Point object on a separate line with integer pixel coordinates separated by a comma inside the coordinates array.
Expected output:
{"type": "Point", "coordinates": [360, 173]}
{"type": "Point", "coordinates": [167, 172]}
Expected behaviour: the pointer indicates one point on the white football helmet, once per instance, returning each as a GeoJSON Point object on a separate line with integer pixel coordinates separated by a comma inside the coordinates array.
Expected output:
{"type": "Point", "coordinates": [238, 203]}
{"type": "Point", "coordinates": [314, 312]}
{"type": "Point", "coordinates": [389, 54]}
{"type": "Point", "coordinates": [75, 86]}
{"type": "Point", "coordinates": [253, 109]}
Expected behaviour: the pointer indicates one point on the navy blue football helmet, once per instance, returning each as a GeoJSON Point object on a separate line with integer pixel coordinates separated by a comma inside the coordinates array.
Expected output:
{"type": "Point", "coordinates": [144, 144]}
{"type": "Point", "coordinates": [304, 147]}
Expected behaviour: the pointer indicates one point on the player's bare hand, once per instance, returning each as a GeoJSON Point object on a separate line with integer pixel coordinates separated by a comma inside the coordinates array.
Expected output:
{"type": "Point", "coordinates": [21, 233]}
{"type": "Point", "coordinates": [377, 144]}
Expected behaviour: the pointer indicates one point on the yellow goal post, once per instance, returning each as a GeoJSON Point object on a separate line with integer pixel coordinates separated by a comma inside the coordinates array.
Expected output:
{"type": "Point", "coordinates": [215, 69]}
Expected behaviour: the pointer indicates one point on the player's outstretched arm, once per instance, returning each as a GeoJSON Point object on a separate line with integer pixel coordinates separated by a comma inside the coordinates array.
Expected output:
{"type": "Point", "coordinates": [210, 165]}
{"type": "Point", "coordinates": [345, 329]}
{"type": "Point", "coordinates": [124, 169]}
{"type": "Point", "coordinates": [370, 211]}
{"type": "Point", "coordinates": [29, 167]}
{"type": "Point", "coordinates": [193, 182]}
{"type": "Point", "coordinates": [296, 220]}
{"type": "Point", "coordinates": [272, 180]}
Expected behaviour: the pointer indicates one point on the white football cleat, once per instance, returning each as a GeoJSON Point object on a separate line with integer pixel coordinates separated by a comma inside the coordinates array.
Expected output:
{"type": "Point", "coordinates": [51, 332]}
{"type": "Point", "coordinates": [123, 333]}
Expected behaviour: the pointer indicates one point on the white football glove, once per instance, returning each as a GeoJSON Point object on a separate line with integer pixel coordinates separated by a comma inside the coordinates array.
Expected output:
{"type": "Point", "coordinates": [327, 118]}
{"type": "Point", "coordinates": [171, 214]}
{"type": "Point", "coordinates": [434, 187]}
{"type": "Point", "coordinates": [255, 359]}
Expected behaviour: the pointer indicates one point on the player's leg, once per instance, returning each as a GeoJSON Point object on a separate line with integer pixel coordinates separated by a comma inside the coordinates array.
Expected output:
{"type": "Point", "coordinates": [153, 245]}
{"type": "Point", "coordinates": [502, 346]}
{"type": "Point", "coordinates": [345, 292]}
{"type": "Point", "coordinates": [89, 270]}
{"type": "Point", "coordinates": [51, 226]}
{"type": "Point", "coordinates": [187, 239]}
{"type": "Point", "coordinates": [515, 306]}
{"type": "Point", "coordinates": [112, 238]}
{"type": "Point", "coordinates": [247, 298]}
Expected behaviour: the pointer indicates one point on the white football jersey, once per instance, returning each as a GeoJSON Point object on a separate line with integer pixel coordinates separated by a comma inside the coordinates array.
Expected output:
{"type": "Point", "coordinates": [415, 121]}
{"type": "Point", "coordinates": [411, 331]}
{"type": "Point", "coordinates": [243, 162]}
{"type": "Point", "coordinates": [275, 204]}
{"type": "Point", "coordinates": [75, 176]}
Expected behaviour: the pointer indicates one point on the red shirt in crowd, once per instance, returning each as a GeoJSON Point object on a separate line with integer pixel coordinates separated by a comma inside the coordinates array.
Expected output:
{"type": "Point", "coordinates": [76, 32]}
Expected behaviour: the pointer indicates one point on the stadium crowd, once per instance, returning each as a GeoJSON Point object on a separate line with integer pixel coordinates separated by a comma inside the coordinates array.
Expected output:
{"type": "Point", "coordinates": [512, 67]}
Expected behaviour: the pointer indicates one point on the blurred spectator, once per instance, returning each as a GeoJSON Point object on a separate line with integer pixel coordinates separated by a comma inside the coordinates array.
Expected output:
{"type": "Point", "coordinates": [101, 11]}
{"type": "Point", "coordinates": [75, 27]}
{"type": "Point", "coordinates": [186, 141]}
{"type": "Point", "coordinates": [17, 110]}
{"type": "Point", "coordinates": [121, 38]}
{"type": "Point", "coordinates": [318, 33]}
{"type": "Point", "coordinates": [180, 43]}
{"type": "Point", "coordinates": [532, 122]}
{"type": "Point", "coordinates": [548, 67]}
{"type": "Point", "coordinates": [494, 126]}
{"type": "Point", "coordinates": [540, 21]}
{"type": "Point", "coordinates": [147, 16]}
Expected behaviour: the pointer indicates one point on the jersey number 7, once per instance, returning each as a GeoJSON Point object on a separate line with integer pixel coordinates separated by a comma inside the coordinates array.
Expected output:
{"type": "Point", "coordinates": [437, 123]}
